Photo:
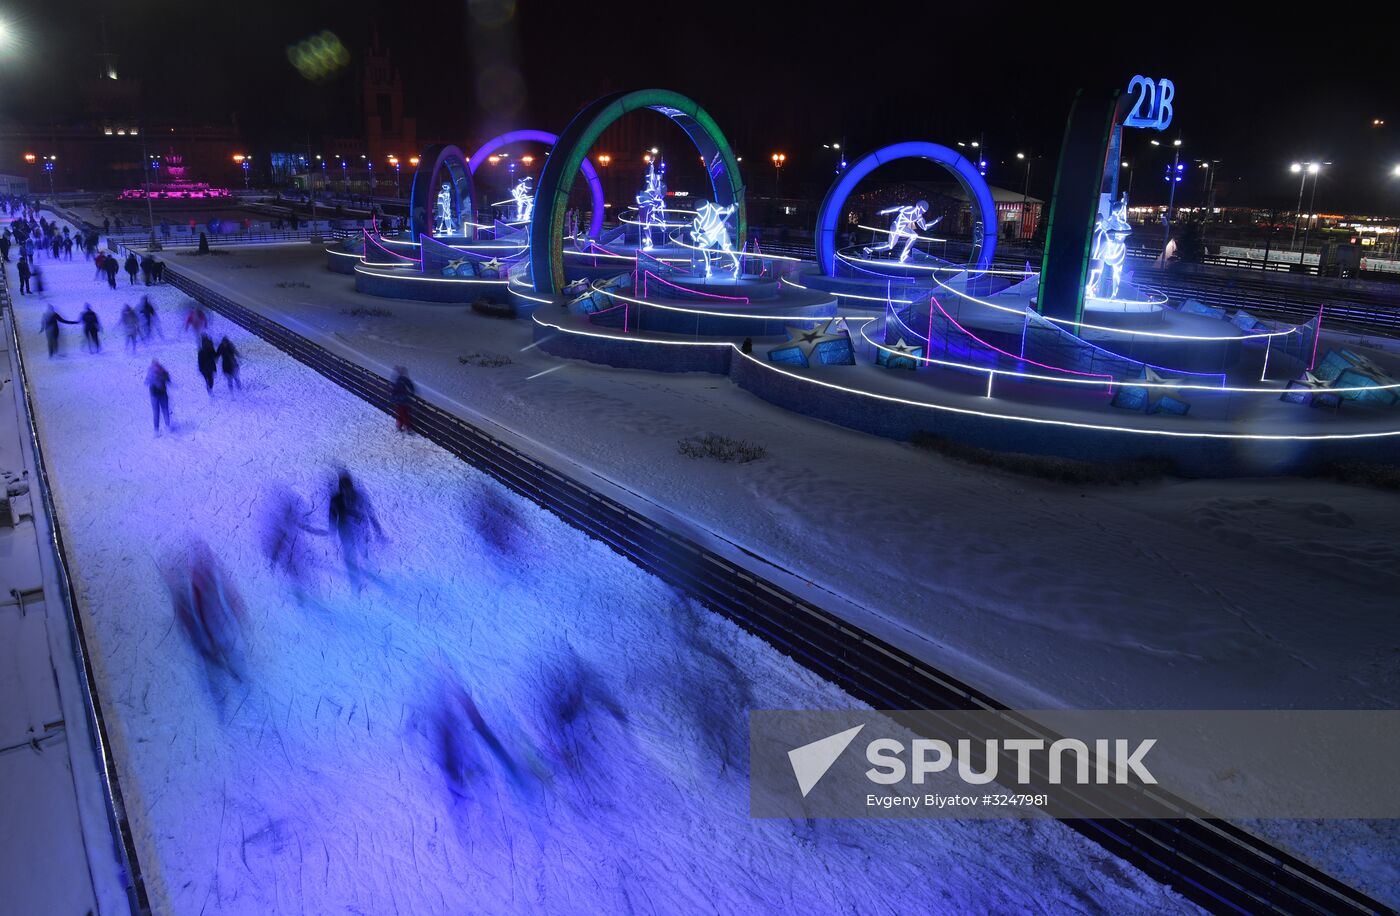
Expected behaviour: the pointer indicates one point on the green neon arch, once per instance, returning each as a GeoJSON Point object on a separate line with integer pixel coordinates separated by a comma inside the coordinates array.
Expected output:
{"type": "Point", "coordinates": [560, 169]}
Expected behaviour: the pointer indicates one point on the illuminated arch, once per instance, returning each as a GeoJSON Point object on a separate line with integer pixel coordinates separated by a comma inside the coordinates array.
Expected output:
{"type": "Point", "coordinates": [984, 226]}
{"type": "Point", "coordinates": [423, 193]}
{"type": "Point", "coordinates": [552, 197]}
{"type": "Point", "coordinates": [595, 225]}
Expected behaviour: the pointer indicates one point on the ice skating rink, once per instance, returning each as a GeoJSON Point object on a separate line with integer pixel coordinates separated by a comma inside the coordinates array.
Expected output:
{"type": "Point", "coordinates": [314, 783]}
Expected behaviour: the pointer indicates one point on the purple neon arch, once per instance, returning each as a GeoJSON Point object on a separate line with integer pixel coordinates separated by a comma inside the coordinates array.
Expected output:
{"type": "Point", "coordinates": [595, 226]}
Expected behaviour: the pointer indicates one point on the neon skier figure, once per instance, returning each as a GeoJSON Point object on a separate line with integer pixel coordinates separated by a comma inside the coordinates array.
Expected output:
{"type": "Point", "coordinates": [443, 223]}
{"type": "Point", "coordinates": [1110, 249]}
{"type": "Point", "coordinates": [524, 201]}
{"type": "Point", "coordinates": [907, 219]}
{"type": "Point", "coordinates": [651, 203]}
{"type": "Point", "coordinates": [710, 230]}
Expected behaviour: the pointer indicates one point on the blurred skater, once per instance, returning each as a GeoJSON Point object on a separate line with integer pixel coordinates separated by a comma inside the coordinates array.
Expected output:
{"type": "Point", "coordinates": [228, 363]}
{"type": "Point", "coordinates": [92, 329]}
{"type": "Point", "coordinates": [209, 611]}
{"type": "Point", "coordinates": [195, 319]}
{"type": "Point", "coordinates": [208, 361]}
{"type": "Point", "coordinates": [150, 321]}
{"type": "Point", "coordinates": [353, 520]}
{"type": "Point", "coordinates": [401, 393]}
{"type": "Point", "coordinates": [131, 327]}
{"type": "Point", "coordinates": [49, 324]}
{"type": "Point", "coordinates": [158, 383]}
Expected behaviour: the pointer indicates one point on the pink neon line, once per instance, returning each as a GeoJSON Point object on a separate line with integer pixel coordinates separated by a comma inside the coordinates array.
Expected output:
{"type": "Point", "coordinates": [686, 289]}
{"type": "Point", "coordinates": [1316, 335]}
{"type": "Point", "coordinates": [1022, 359]}
{"type": "Point", "coordinates": [387, 251]}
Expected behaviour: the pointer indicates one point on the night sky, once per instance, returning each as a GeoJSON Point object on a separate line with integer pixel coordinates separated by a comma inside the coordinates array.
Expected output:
{"type": "Point", "coordinates": [1254, 90]}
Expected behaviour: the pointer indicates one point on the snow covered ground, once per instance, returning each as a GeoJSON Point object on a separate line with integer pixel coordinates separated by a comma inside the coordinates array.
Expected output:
{"type": "Point", "coordinates": [312, 784]}
{"type": "Point", "coordinates": [1269, 593]}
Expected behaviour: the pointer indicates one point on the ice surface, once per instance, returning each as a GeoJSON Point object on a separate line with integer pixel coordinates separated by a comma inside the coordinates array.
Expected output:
{"type": "Point", "coordinates": [1268, 593]}
{"type": "Point", "coordinates": [312, 784]}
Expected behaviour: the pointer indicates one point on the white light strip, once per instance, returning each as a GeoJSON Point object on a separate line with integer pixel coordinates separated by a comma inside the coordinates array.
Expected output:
{"type": "Point", "coordinates": [1096, 327]}
{"type": "Point", "coordinates": [903, 235]}
{"type": "Point", "coordinates": [689, 311]}
{"type": "Point", "coordinates": [1122, 383]}
{"type": "Point", "coordinates": [422, 279]}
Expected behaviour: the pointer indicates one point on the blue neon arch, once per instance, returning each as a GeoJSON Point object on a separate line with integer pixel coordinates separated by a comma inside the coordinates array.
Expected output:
{"type": "Point", "coordinates": [595, 185]}
{"type": "Point", "coordinates": [423, 192]}
{"type": "Point", "coordinates": [984, 236]}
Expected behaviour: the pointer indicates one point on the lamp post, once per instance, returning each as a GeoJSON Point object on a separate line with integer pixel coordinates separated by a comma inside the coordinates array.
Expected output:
{"type": "Point", "coordinates": [1208, 187]}
{"type": "Point", "coordinates": [1304, 169]}
{"type": "Point", "coordinates": [1025, 196]}
{"type": "Point", "coordinates": [1315, 168]}
{"type": "Point", "coordinates": [1175, 180]}
{"type": "Point", "coordinates": [1395, 245]}
{"type": "Point", "coordinates": [394, 161]}
{"type": "Point", "coordinates": [779, 160]}
{"type": "Point", "coordinates": [242, 162]}
{"type": "Point", "coordinates": [149, 165]}
{"type": "Point", "coordinates": [1129, 166]}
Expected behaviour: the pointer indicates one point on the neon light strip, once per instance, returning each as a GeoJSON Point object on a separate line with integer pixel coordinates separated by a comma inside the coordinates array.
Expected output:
{"type": "Point", "coordinates": [393, 254]}
{"type": "Point", "coordinates": [422, 279]}
{"type": "Point", "coordinates": [964, 411]}
{"type": "Point", "coordinates": [903, 235]}
{"type": "Point", "coordinates": [515, 291]}
{"type": "Point", "coordinates": [928, 268]}
{"type": "Point", "coordinates": [1127, 331]}
{"type": "Point", "coordinates": [690, 311]}
{"type": "Point", "coordinates": [646, 274]}
{"type": "Point", "coordinates": [764, 257]}
{"type": "Point", "coordinates": [1119, 383]}
{"type": "Point", "coordinates": [1317, 335]}
{"type": "Point", "coordinates": [1022, 359]}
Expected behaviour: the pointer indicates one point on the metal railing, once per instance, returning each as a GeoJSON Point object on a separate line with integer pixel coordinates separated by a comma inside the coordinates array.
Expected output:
{"type": "Point", "coordinates": [123, 838]}
{"type": "Point", "coordinates": [1212, 862]}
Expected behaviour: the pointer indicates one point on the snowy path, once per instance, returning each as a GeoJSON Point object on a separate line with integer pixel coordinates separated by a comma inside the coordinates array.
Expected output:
{"type": "Point", "coordinates": [311, 786]}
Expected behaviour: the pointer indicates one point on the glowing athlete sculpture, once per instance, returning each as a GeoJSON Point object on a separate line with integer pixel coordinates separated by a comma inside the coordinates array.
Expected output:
{"type": "Point", "coordinates": [443, 223]}
{"type": "Point", "coordinates": [1109, 249]}
{"type": "Point", "coordinates": [524, 201]}
{"type": "Point", "coordinates": [710, 230]}
{"type": "Point", "coordinates": [651, 203]}
{"type": "Point", "coordinates": [906, 220]}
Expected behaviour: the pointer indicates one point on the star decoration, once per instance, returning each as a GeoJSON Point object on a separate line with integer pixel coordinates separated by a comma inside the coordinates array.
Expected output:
{"type": "Point", "coordinates": [901, 348]}
{"type": "Point", "coordinates": [493, 264]}
{"type": "Point", "coordinates": [453, 266]}
{"type": "Point", "coordinates": [1158, 387]}
{"type": "Point", "coordinates": [808, 339]}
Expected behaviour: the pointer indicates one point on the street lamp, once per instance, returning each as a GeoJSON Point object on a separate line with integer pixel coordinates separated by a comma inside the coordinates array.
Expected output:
{"type": "Point", "coordinates": [604, 160]}
{"type": "Point", "coordinates": [243, 163]}
{"type": "Point", "coordinates": [1304, 169]}
{"type": "Point", "coordinates": [779, 159]}
{"type": "Point", "coordinates": [1313, 169]}
{"type": "Point", "coordinates": [1129, 166]}
{"type": "Point", "coordinates": [1025, 196]}
{"type": "Point", "coordinates": [394, 161]}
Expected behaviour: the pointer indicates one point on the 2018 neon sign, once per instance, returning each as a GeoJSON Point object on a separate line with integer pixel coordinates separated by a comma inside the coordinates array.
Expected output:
{"type": "Point", "coordinates": [1154, 106]}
